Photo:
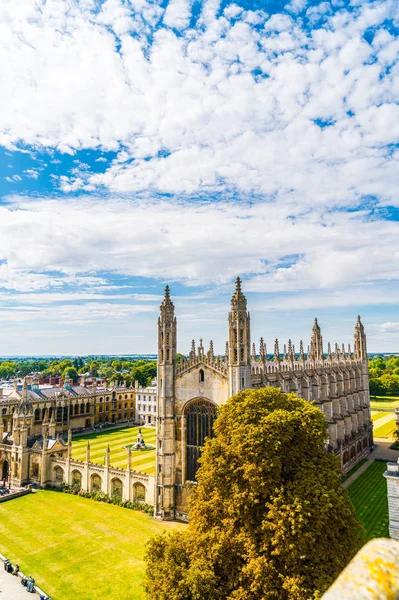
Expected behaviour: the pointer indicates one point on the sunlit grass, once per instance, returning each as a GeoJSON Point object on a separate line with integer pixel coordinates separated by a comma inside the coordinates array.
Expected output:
{"type": "Point", "coordinates": [77, 548]}
{"type": "Point", "coordinates": [143, 460]}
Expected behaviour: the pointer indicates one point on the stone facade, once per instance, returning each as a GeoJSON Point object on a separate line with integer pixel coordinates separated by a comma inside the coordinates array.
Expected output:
{"type": "Point", "coordinates": [190, 392]}
{"type": "Point", "coordinates": [392, 477]}
{"type": "Point", "coordinates": [33, 421]}
{"type": "Point", "coordinates": [70, 406]}
{"type": "Point", "coordinates": [146, 404]}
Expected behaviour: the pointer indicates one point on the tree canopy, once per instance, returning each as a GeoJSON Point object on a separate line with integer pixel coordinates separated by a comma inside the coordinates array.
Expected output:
{"type": "Point", "coordinates": [269, 518]}
{"type": "Point", "coordinates": [384, 376]}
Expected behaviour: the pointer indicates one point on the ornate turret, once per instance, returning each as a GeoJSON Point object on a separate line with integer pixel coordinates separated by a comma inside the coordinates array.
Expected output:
{"type": "Point", "coordinates": [239, 342]}
{"type": "Point", "coordinates": [360, 341]}
{"type": "Point", "coordinates": [165, 473]}
{"type": "Point", "coordinates": [316, 343]}
{"type": "Point", "coordinates": [276, 353]}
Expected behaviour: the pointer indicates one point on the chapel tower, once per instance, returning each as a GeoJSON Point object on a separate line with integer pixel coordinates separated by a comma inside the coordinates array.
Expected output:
{"type": "Point", "coordinates": [239, 345]}
{"type": "Point", "coordinates": [316, 342]}
{"type": "Point", "coordinates": [165, 475]}
{"type": "Point", "coordinates": [360, 341]}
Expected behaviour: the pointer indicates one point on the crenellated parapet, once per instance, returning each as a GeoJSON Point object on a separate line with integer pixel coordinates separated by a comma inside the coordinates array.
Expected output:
{"type": "Point", "coordinates": [198, 357]}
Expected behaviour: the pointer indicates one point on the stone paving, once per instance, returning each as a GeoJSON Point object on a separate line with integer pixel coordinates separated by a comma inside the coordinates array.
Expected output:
{"type": "Point", "coordinates": [381, 451]}
{"type": "Point", "coordinates": [11, 588]}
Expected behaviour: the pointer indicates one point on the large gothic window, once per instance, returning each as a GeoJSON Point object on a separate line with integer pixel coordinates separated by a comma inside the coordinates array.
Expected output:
{"type": "Point", "coordinates": [200, 417]}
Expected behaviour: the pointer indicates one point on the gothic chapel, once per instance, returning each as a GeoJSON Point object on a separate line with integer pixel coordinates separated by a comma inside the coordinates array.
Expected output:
{"type": "Point", "coordinates": [190, 392]}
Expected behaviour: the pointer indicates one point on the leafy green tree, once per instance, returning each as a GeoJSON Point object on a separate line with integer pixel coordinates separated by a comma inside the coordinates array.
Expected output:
{"type": "Point", "coordinates": [392, 363]}
{"type": "Point", "coordinates": [269, 518]}
{"type": "Point", "coordinates": [117, 365]}
{"type": "Point", "coordinates": [94, 367]}
{"type": "Point", "coordinates": [70, 373]}
{"type": "Point", "coordinates": [390, 383]}
{"type": "Point", "coordinates": [377, 388]}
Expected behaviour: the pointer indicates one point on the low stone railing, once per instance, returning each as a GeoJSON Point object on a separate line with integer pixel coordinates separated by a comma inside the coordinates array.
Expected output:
{"type": "Point", "coordinates": [373, 574]}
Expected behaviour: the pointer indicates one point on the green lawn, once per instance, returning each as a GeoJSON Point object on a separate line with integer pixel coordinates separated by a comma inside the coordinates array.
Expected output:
{"type": "Point", "coordinates": [369, 497]}
{"type": "Point", "coordinates": [143, 461]}
{"type": "Point", "coordinates": [378, 415]}
{"type": "Point", "coordinates": [384, 402]}
{"type": "Point", "coordinates": [77, 548]}
{"type": "Point", "coordinates": [384, 424]}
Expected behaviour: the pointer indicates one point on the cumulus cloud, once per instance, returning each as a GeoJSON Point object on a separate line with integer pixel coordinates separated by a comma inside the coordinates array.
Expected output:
{"type": "Point", "coordinates": [196, 243]}
{"type": "Point", "coordinates": [225, 104]}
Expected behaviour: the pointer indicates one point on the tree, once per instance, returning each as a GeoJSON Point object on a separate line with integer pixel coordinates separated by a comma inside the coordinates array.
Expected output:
{"type": "Point", "coordinates": [269, 518]}
{"type": "Point", "coordinates": [70, 373]}
{"type": "Point", "coordinates": [94, 366]}
{"type": "Point", "coordinates": [117, 365]}
{"type": "Point", "coordinates": [377, 388]}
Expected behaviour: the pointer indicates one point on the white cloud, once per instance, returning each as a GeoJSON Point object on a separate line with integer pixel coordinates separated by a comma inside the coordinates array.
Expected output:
{"type": "Point", "coordinates": [197, 97]}
{"type": "Point", "coordinates": [195, 243]}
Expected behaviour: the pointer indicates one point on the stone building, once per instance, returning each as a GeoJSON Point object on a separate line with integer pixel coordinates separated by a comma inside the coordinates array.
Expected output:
{"type": "Point", "coordinates": [33, 449]}
{"type": "Point", "coordinates": [190, 392]}
{"type": "Point", "coordinates": [30, 409]}
{"type": "Point", "coordinates": [74, 406]}
{"type": "Point", "coordinates": [146, 404]}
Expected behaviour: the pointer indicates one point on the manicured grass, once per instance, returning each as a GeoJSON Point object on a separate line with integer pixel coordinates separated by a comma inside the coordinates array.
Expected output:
{"type": "Point", "coordinates": [353, 470]}
{"type": "Point", "coordinates": [378, 415]}
{"type": "Point", "coordinates": [143, 460]}
{"type": "Point", "coordinates": [384, 428]}
{"type": "Point", "coordinates": [77, 548]}
{"type": "Point", "coordinates": [369, 497]}
{"type": "Point", "coordinates": [384, 402]}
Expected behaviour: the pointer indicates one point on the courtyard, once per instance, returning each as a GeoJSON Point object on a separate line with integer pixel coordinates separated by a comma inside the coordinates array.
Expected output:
{"type": "Point", "coordinates": [143, 460]}
{"type": "Point", "coordinates": [78, 548]}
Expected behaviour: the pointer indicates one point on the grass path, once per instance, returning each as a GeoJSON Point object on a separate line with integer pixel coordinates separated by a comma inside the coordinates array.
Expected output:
{"type": "Point", "coordinates": [369, 497]}
{"type": "Point", "coordinates": [143, 461]}
{"type": "Point", "coordinates": [384, 424]}
{"type": "Point", "coordinates": [77, 548]}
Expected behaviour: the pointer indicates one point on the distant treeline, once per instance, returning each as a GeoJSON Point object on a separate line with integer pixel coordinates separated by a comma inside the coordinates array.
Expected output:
{"type": "Point", "coordinates": [114, 369]}
{"type": "Point", "coordinates": [384, 376]}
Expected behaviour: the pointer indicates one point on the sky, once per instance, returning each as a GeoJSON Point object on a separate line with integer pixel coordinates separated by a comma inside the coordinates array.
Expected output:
{"type": "Point", "coordinates": [145, 142]}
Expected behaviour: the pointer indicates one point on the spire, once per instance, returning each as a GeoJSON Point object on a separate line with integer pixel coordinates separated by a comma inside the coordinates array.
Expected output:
{"type": "Point", "coordinates": [349, 351]}
{"type": "Point", "coordinates": [238, 300]}
{"type": "Point", "coordinates": [291, 356]}
{"type": "Point", "coordinates": [167, 304]}
{"type": "Point", "coordinates": [262, 352]}
{"type": "Point", "coordinates": [329, 350]}
{"type": "Point", "coordinates": [276, 352]}
{"type": "Point", "coordinates": [226, 350]}
{"type": "Point", "coordinates": [343, 351]}
{"type": "Point", "coordinates": [88, 452]}
{"type": "Point", "coordinates": [316, 342]}
{"type": "Point", "coordinates": [360, 348]}
{"type": "Point", "coordinates": [253, 355]}
{"type": "Point", "coordinates": [200, 349]}
{"type": "Point", "coordinates": [301, 352]}
{"type": "Point", "coordinates": [210, 351]}
{"type": "Point", "coordinates": [284, 352]}
{"type": "Point", "coordinates": [192, 351]}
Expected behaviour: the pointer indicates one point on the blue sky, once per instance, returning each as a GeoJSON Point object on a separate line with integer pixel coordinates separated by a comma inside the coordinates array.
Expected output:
{"type": "Point", "coordinates": [188, 142]}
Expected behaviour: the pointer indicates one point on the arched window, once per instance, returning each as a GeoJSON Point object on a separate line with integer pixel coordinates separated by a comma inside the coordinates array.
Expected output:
{"type": "Point", "coordinates": [34, 470]}
{"type": "Point", "coordinates": [82, 409]}
{"type": "Point", "coordinates": [88, 407]}
{"type": "Point", "coordinates": [37, 414]}
{"type": "Point", "coordinates": [201, 376]}
{"type": "Point", "coordinates": [139, 492]}
{"type": "Point", "coordinates": [116, 488]}
{"type": "Point", "coordinates": [200, 416]}
{"type": "Point", "coordinates": [59, 474]}
{"type": "Point", "coordinates": [95, 483]}
{"type": "Point", "coordinates": [76, 479]}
